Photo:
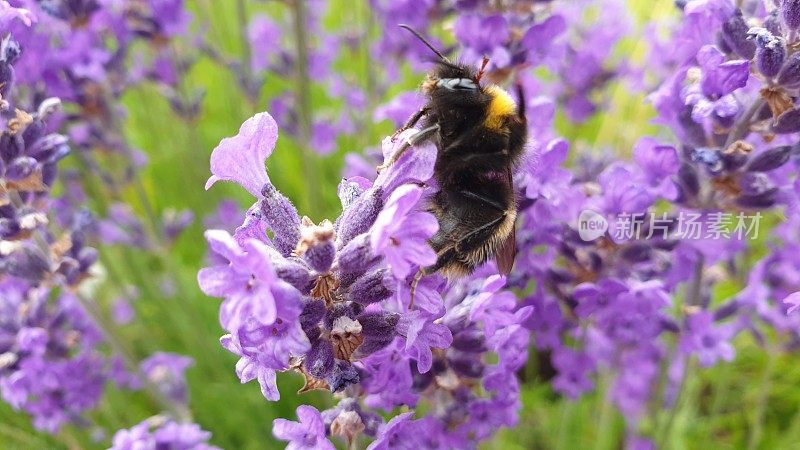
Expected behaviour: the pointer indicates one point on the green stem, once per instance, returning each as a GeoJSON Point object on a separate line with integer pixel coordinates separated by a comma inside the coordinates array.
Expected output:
{"type": "Point", "coordinates": [567, 409]}
{"type": "Point", "coordinates": [657, 403]}
{"type": "Point", "coordinates": [178, 411]}
{"type": "Point", "coordinates": [247, 76]}
{"type": "Point", "coordinates": [693, 293]}
{"type": "Point", "coordinates": [742, 128]}
{"type": "Point", "coordinates": [303, 99]}
{"type": "Point", "coordinates": [757, 425]}
{"type": "Point", "coordinates": [663, 433]}
{"type": "Point", "coordinates": [604, 437]}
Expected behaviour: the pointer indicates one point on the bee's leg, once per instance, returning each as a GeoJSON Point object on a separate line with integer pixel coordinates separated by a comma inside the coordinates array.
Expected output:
{"type": "Point", "coordinates": [465, 244]}
{"type": "Point", "coordinates": [442, 258]}
{"type": "Point", "coordinates": [494, 204]}
{"type": "Point", "coordinates": [423, 135]}
{"type": "Point", "coordinates": [420, 273]}
{"type": "Point", "coordinates": [454, 257]}
{"type": "Point", "coordinates": [411, 121]}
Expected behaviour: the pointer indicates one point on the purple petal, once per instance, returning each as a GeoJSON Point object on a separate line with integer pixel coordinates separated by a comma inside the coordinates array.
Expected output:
{"type": "Point", "coordinates": [415, 166]}
{"type": "Point", "coordinates": [720, 77]}
{"type": "Point", "coordinates": [223, 244]}
{"type": "Point", "coordinates": [287, 430]}
{"type": "Point", "coordinates": [215, 281]}
{"type": "Point", "coordinates": [793, 302]}
{"type": "Point", "coordinates": [241, 158]}
{"type": "Point", "coordinates": [311, 419]}
{"type": "Point", "coordinates": [269, 386]}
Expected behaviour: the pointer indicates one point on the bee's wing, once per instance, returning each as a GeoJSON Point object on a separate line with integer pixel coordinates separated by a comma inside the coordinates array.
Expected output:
{"type": "Point", "coordinates": [508, 249]}
{"type": "Point", "coordinates": [506, 254]}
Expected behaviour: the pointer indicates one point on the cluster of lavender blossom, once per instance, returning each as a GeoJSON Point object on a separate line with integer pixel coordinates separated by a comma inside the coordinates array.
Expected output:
{"type": "Point", "coordinates": [89, 54]}
{"type": "Point", "coordinates": [332, 302]}
{"type": "Point", "coordinates": [50, 364]}
{"type": "Point", "coordinates": [635, 314]}
{"type": "Point", "coordinates": [55, 356]}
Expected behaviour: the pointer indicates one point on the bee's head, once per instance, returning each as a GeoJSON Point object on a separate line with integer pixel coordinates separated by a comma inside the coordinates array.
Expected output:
{"type": "Point", "coordinates": [456, 84]}
{"type": "Point", "coordinates": [456, 78]}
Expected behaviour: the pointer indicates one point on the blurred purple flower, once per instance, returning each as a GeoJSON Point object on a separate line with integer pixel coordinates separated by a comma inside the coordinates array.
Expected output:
{"type": "Point", "coordinates": [708, 341]}
{"type": "Point", "coordinates": [309, 433]}
{"type": "Point", "coordinates": [167, 372]}
{"type": "Point", "coordinates": [160, 432]}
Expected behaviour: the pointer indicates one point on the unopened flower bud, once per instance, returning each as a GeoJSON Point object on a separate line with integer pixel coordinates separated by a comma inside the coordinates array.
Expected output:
{"type": "Point", "coordinates": [688, 180]}
{"type": "Point", "coordinates": [371, 288]}
{"type": "Point", "coordinates": [295, 273]}
{"type": "Point", "coordinates": [316, 245]}
{"type": "Point", "coordinates": [313, 312]}
{"type": "Point", "coordinates": [734, 33]}
{"type": "Point", "coordinates": [344, 374]}
{"type": "Point", "coordinates": [354, 259]}
{"type": "Point", "coordinates": [21, 168]}
{"type": "Point", "coordinates": [770, 51]}
{"type": "Point", "coordinates": [788, 122]}
{"type": "Point", "coordinates": [360, 216]}
{"type": "Point", "coordinates": [772, 23]}
{"type": "Point", "coordinates": [759, 201]}
{"type": "Point", "coordinates": [281, 217]}
{"type": "Point", "coordinates": [469, 341]}
{"type": "Point", "coordinates": [27, 262]}
{"type": "Point", "coordinates": [770, 159]}
{"type": "Point", "coordinates": [790, 10]}
{"type": "Point", "coordinates": [319, 360]}
{"type": "Point", "coordinates": [755, 183]}
{"type": "Point", "coordinates": [790, 73]}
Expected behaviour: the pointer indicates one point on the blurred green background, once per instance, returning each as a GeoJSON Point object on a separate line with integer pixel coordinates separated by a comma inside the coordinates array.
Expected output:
{"type": "Point", "coordinates": [751, 403]}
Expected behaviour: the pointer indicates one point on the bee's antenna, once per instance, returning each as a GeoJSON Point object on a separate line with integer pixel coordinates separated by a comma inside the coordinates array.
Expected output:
{"type": "Point", "coordinates": [483, 68]}
{"type": "Point", "coordinates": [419, 36]}
{"type": "Point", "coordinates": [521, 101]}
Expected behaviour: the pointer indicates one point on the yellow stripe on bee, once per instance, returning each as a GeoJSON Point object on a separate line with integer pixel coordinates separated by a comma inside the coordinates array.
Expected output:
{"type": "Point", "coordinates": [500, 108]}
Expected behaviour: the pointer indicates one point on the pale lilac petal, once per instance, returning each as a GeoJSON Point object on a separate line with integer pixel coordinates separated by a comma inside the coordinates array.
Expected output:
{"type": "Point", "coordinates": [269, 385]}
{"type": "Point", "coordinates": [424, 358]}
{"type": "Point", "coordinates": [415, 166]}
{"type": "Point", "coordinates": [223, 244]}
{"type": "Point", "coordinates": [310, 417]}
{"type": "Point", "coordinates": [287, 430]}
{"type": "Point", "coordinates": [246, 369]}
{"type": "Point", "coordinates": [793, 302]}
{"type": "Point", "coordinates": [8, 13]}
{"type": "Point", "coordinates": [215, 281]}
{"type": "Point", "coordinates": [242, 158]}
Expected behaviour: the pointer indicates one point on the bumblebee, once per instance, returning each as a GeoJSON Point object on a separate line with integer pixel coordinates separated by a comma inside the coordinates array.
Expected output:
{"type": "Point", "coordinates": [480, 133]}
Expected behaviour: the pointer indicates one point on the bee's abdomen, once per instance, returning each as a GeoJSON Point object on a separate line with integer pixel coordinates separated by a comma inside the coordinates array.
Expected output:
{"type": "Point", "coordinates": [475, 218]}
